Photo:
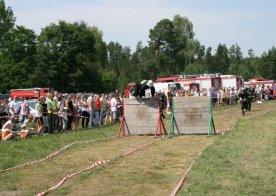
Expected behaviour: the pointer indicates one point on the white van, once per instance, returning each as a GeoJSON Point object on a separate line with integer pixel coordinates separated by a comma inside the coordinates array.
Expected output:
{"type": "Point", "coordinates": [164, 86]}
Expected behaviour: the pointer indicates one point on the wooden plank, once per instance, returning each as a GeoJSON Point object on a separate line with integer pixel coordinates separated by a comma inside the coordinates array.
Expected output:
{"type": "Point", "coordinates": [141, 116]}
{"type": "Point", "coordinates": [196, 99]}
{"type": "Point", "coordinates": [148, 102]}
{"type": "Point", "coordinates": [140, 123]}
{"type": "Point", "coordinates": [140, 130]}
{"type": "Point", "coordinates": [192, 115]}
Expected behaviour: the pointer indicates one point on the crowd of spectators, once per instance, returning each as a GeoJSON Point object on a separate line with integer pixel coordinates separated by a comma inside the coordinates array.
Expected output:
{"type": "Point", "coordinates": [58, 112]}
{"type": "Point", "coordinates": [227, 95]}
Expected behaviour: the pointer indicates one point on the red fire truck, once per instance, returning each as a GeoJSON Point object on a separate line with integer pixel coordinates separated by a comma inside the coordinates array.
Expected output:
{"type": "Point", "coordinates": [30, 93]}
{"type": "Point", "coordinates": [261, 82]}
{"type": "Point", "coordinates": [200, 81]}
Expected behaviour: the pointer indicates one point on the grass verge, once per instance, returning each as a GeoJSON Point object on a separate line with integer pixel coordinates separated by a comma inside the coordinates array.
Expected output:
{"type": "Point", "coordinates": [13, 153]}
{"type": "Point", "coordinates": [240, 163]}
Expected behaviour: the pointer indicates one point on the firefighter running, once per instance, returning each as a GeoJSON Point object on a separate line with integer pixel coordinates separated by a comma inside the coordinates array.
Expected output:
{"type": "Point", "coordinates": [245, 97]}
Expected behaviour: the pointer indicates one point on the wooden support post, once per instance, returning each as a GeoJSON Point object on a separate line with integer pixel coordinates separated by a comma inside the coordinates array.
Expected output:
{"type": "Point", "coordinates": [171, 132]}
{"type": "Point", "coordinates": [122, 128]}
{"type": "Point", "coordinates": [159, 123]}
{"type": "Point", "coordinates": [122, 124]}
{"type": "Point", "coordinates": [211, 129]}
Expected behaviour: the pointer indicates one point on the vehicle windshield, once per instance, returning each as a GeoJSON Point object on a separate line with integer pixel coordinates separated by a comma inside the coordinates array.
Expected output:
{"type": "Point", "coordinates": [32, 103]}
{"type": "Point", "coordinates": [173, 86]}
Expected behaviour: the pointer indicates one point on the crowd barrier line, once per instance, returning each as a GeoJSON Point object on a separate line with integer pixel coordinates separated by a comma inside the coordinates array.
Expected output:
{"type": "Point", "coordinates": [55, 153]}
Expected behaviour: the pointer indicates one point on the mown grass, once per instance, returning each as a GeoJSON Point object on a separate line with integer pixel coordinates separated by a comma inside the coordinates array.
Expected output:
{"type": "Point", "coordinates": [13, 153]}
{"type": "Point", "coordinates": [243, 162]}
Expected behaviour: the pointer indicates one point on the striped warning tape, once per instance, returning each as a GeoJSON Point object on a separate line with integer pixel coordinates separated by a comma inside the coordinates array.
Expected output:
{"type": "Point", "coordinates": [60, 114]}
{"type": "Point", "coordinates": [53, 154]}
{"type": "Point", "coordinates": [96, 164]}
{"type": "Point", "coordinates": [222, 131]}
{"type": "Point", "coordinates": [141, 147]}
{"type": "Point", "coordinates": [182, 178]}
{"type": "Point", "coordinates": [181, 181]}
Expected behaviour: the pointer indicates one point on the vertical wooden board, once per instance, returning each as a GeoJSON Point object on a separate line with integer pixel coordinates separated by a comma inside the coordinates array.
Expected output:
{"type": "Point", "coordinates": [141, 116]}
{"type": "Point", "coordinates": [192, 115]}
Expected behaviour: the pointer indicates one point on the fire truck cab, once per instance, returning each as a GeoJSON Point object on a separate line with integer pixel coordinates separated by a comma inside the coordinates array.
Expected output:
{"type": "Point", "coordinates": [30, 93]}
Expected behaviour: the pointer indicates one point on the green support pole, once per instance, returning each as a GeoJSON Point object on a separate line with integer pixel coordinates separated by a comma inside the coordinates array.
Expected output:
{"type": "Point", "coordinates": [171, 132]}
{"type": "Point", "coordinates": [211, 129]}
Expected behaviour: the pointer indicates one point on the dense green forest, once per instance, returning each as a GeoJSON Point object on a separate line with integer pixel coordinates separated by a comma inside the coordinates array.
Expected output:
{"type": "Point", "coordinates": [72, 57]}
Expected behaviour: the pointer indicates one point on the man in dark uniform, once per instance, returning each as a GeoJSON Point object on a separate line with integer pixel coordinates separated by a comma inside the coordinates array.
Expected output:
{"type": "Point", "coordinates": [140, 88]}
{"type": "Point", "coordinates": [146, 85]}
{"type": "Point", "coordinates": [243, 97]}
{"type": "Point", "coordinates": [250, 93]}
{"type": "Point", "coordinates": [135, 89]}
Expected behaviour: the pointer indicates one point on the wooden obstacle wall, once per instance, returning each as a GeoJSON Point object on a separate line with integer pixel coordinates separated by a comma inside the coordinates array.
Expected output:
{"type": "Point", "coordinates": [141, 116]}
{"type": "Point", "coordinates": [192, 115]}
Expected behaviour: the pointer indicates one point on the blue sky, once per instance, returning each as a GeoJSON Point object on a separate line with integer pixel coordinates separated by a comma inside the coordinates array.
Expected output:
{"type": "Point", "coordinates": [249, 23]}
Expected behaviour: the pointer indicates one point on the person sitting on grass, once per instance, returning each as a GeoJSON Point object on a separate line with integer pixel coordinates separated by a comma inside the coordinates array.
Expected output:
{"type": "Point", "coordinates": [25, 132]}
{"type": "Point", "coordinates": [28, 127]}
{"type": "Point", "coordinates": [8, 132]}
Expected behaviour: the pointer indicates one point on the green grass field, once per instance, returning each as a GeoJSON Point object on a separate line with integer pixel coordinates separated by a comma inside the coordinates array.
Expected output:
{"type": "Point", "coordinates": [241, 162]}
{"type": "Point", "coordinates": [20, 151]}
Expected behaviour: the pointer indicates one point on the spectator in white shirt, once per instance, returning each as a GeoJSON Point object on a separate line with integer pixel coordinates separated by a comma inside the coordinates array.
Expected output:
{"type": "Point", "coordinates": [24, 111]}
{"type": "Point", "coordinates": [113, 107]}
{"type": "Point", "coordinates": [14, 106]}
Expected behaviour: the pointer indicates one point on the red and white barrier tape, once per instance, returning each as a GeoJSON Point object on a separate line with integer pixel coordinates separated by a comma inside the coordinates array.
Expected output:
{"type": "Point", "coordinates": [7, 117]}
{"type": "Point", "coordinates": [55, 113]}
{"type": "Point", "coordinates": [137, 149]}
{"type": "Point", "coordinates": [222, 131]}
{"type": "Point", "coordinates": [53, 154]}
{"type": "Point", "coordinates": [96, 164]}
{"type": "Point", "coordinates": [182, 179]}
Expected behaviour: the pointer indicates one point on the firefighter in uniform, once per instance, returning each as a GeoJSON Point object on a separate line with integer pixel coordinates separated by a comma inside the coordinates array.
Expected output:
{"type": "Point", "coordinates": [243, 98]}
{"type": "Point", "coordinates": [249, 91]}
{"type": "Point", "coordinates": [140, 89]}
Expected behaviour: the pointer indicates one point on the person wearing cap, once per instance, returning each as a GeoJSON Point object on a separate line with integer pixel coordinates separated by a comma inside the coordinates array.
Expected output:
{"type": "Point", "coordinates": [7, 129]}
{"type": "Point", "coordinates": [146, 85]}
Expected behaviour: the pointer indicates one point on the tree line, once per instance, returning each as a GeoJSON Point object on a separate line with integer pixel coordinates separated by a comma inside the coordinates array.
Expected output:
{"type": "Point", "coordinates": [72, 57]}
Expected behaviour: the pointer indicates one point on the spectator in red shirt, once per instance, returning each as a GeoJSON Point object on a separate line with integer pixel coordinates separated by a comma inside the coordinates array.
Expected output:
{"type": "Point", "coordinates": [98, 112]}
